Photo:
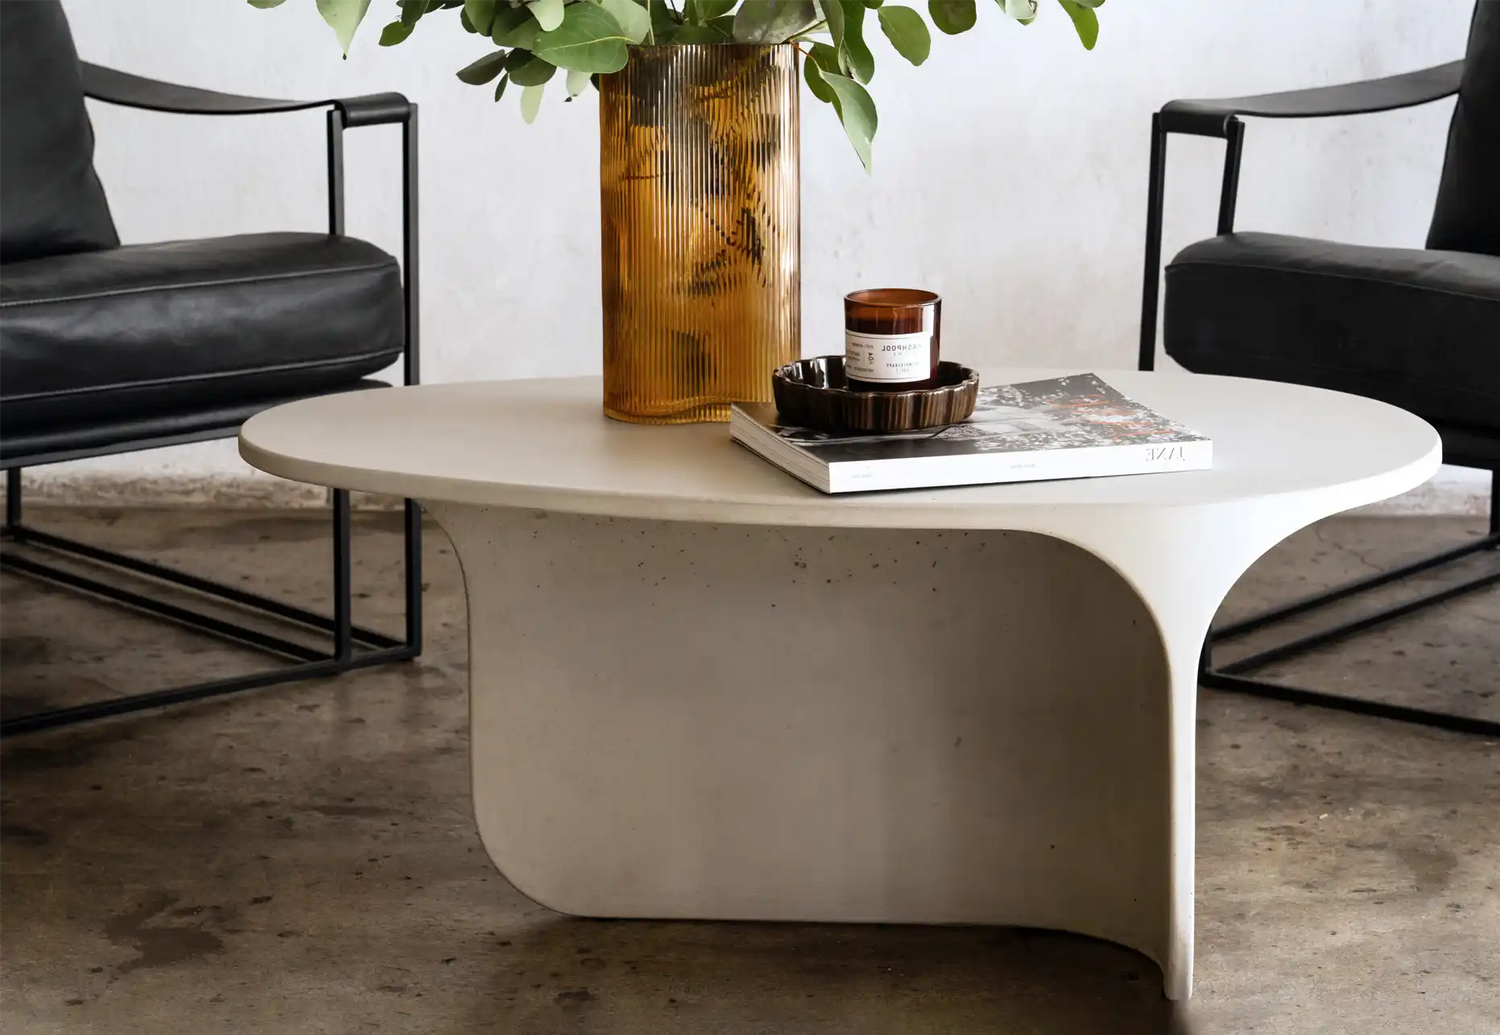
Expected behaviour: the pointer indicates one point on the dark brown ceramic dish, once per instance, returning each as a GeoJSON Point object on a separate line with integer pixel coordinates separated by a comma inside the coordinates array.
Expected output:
{"type": "Point", "coordinates": [813, 393]}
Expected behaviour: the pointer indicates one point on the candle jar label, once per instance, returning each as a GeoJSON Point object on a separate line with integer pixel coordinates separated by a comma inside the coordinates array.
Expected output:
{"type": "Point", "coordinates": [888, 358]}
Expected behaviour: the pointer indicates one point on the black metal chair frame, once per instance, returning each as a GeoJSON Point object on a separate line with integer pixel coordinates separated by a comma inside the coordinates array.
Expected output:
{"type": "Point", "coordinates": [352, 646]}
{"type": "Point", "coordinates": [1219, 118]}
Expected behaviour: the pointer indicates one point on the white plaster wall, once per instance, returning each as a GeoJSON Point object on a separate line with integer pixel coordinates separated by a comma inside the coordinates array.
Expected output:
{"type": "Point", "coordinates": [1010, 171]}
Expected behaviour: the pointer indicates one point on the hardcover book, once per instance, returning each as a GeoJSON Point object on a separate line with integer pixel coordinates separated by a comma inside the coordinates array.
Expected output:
{"type": "Point", "coordinates": [1064, 427]}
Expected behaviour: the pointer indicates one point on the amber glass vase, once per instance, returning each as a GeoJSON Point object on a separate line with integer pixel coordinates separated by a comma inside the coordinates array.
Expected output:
{"type": "Point", "coordinates": [698, 179]}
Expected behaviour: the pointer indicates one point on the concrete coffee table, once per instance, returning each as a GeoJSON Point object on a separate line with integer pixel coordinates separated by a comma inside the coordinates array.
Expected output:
{"type": "Point", "coordinates": [701, 689]}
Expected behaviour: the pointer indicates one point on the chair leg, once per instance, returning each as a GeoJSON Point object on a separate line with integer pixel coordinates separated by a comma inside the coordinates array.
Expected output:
{"type": "Point", "coordinates": [1229, 677]}
{"type": "Point", "coordinates": [59, 717]}
{"type": "Point", "coordinates": [343, 602]}
{"type": "Point", "coordinates": [413, 566]}
{"type": "Point", "coordinates": [12, 498]}
{"type": "Point", "coordinates": [376, 648]}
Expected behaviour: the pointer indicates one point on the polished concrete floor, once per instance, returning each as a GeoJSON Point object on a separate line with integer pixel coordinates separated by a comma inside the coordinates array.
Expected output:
{"type": "Point", "coordinates": [302, 859]}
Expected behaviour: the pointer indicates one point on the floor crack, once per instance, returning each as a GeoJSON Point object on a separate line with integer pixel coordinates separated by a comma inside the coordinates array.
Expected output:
{"type": "Point", "coordinates": [1318, 534]}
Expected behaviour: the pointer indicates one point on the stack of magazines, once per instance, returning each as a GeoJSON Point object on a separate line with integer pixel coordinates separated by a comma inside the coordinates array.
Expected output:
{"type": "Point", "coordinates": [1065, 427]}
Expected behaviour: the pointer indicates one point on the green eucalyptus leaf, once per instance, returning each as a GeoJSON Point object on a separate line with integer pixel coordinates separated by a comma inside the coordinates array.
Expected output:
{"type": "Point", "coordinates": [774, 21]}
{"type": "Point", "coordinates": [588, 40]}
{"type": "Point", "coordinates": [1089, 3]}
{"type": "Point", "coordinates": [845, 20]}
{"type": "Point", "coordinates": [501, 85]}
{"type": "Point", "coordinates": [875, 4]}
{"type": "Point", "coordinates": [395, 32]}
{"type": "Point", "coordinates": [724, 23]}
{"type": "Point", "coordinates": [700, 34]}
{"type": "Point", "coordinates": [1023, 11]}
{"type": "Point", "coordinates": [548, 13]}
{"type": "Point", "coordinates": [577, 82]}
{"type": "Point", "coordinates": [822, 59]}
{"type": "Point", "coordinates": [343, 17]}
{"type": "Point", "coordinates": [833, 17]}
{"type": "Point", "coordinates": [907, 32]}
{"type": "Point", "coordinates": [266, 5]}
{"type": "Point", "coordinates": [411, 10]}
{"type": "Point", "coordinates": [857, 113]}
{"type": "Point", "coordinates": [463, 19]}
{"type": "Point", "coordinates": [664, 22]}
{"type": "Point", "coordinates": [632, 17]}
{"type": "Point", "coordinates": [514, 27]}
{"type": "Point", "coordinates": [528, 69]}
{"type": "Point", "coordinates": [481, 14]}
{"type": "Point", "coordinates": [826, 57]}
{"type": "Point", "coordinates": [854, 53]}
{"type": "Point", "coordinates": [701, 12]}
{"type": "Point", "coordinates": [1084, 20]}
{"type": "Point", "coordinates": [483, 70]}
{"type": "Point", "coordinates": [531, 102]}
{"type": "Point", "coordinates": [953, 16]}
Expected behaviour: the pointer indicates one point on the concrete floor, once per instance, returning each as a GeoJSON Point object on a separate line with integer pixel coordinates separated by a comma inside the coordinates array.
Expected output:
{"type": "Point", "coordinates": [302, 859]}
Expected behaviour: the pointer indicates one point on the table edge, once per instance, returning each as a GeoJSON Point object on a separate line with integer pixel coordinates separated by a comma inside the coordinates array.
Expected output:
{"type": "Point", "coordinates": [821, 510]}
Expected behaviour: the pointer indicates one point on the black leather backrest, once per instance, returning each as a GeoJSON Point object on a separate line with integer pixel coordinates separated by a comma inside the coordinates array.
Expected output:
{"type": "Point", "coordinates": [51, 202]}
{"type": "Point", "coordinates": [1467, 218]}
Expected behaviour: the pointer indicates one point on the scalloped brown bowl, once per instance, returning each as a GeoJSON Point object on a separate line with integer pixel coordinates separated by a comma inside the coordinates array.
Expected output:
{"type": "Point", "coordinates": [813, 393]}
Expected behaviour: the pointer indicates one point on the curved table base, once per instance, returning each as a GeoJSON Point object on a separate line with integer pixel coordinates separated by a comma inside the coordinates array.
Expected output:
{"type": "Point", "coordinates": [772, 719]}
{"type": "Point", "coordinates": [676, 720]}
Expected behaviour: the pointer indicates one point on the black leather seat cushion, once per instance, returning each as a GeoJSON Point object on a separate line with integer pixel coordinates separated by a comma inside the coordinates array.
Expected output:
{"type": "Point", "coordinates": [1414, 328]}
{"type": "Point", "coordinates": [152, 329]}
{"type": "Point", "coordinates": [51, 202]}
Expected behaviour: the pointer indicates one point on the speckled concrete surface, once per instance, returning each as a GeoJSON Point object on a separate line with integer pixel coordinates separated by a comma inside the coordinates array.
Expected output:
{"type": "Point", "coordinates": [302, 859]}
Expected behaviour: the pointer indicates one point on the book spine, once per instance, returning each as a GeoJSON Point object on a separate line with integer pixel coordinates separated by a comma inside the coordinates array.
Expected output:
{"type": "Point", "coordinates": [1040, 465]}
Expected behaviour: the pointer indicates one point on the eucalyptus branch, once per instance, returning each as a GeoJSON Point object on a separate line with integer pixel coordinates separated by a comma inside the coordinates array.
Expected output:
{"type": "Point", "coordinates": [589, 38]}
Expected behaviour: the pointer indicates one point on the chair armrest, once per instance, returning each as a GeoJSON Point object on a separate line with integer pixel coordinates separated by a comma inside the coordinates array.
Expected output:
{"type": "Point", "coordinates": [133, 91]}
{"type": "Point", "coordinates": [1208, 117]}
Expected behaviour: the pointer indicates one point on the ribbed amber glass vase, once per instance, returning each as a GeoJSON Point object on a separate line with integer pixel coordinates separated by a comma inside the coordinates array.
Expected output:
{"type": "Point", "coordinates": [698, 178]}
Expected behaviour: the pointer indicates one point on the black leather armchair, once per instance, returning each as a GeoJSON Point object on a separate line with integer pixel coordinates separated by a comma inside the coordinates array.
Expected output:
{"type": "Point", "coordinates": [1415, 327]}
{"type": "Point", "coordinates": [107, 348]}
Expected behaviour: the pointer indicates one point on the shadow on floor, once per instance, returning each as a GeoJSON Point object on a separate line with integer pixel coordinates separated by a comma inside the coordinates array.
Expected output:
{"type": "Point", "coordinates": [628, 977]}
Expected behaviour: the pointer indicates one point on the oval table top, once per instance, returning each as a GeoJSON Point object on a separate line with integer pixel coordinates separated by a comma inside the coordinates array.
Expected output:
{"type": "Point", "coordinates": [546, 444]}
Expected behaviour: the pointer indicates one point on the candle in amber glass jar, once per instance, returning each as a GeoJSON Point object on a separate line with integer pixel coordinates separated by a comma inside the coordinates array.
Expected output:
{"type": "Point", "coordinates": [891, 339]}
